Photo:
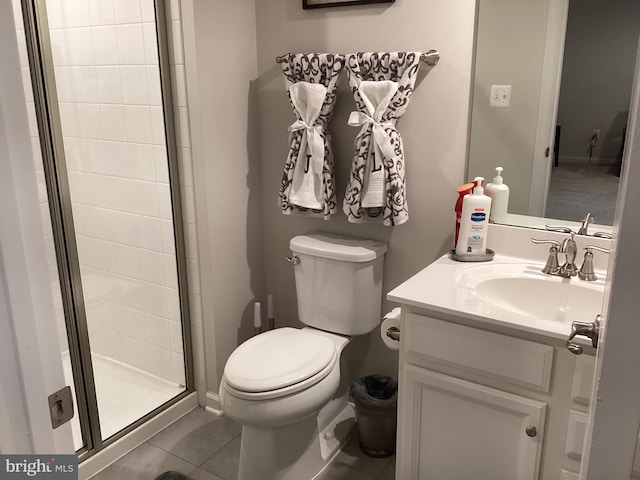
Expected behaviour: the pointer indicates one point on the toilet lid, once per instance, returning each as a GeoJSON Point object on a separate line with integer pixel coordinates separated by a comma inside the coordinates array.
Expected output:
{"type": "Point", "coordinates": [277, 359]}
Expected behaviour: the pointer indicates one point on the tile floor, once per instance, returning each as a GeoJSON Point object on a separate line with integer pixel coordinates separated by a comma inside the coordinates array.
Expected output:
{"type": "Point", "coordinates": [207, 447]}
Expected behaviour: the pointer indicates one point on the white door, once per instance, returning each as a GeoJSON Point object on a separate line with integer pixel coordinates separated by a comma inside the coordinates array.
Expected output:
{"type": "Point", "coordinates": [30, 362]}
{"type": "Point", "coordinates": [614, 418]}
{"type": "Point", "coordinates": [548, 107]}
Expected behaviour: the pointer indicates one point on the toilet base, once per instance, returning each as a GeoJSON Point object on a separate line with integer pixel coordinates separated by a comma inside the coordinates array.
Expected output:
{"type": "Point", "coordinates": [300, 451]}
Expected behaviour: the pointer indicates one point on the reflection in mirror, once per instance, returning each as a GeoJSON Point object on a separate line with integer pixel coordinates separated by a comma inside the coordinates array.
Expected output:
{"type": "Point", "coordinates": [559, 132]}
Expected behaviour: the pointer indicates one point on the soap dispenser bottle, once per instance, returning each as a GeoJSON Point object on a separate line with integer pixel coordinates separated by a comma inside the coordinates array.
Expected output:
{"type": "Point", "coordinates": [499, 193]}
{"type": "Point", "coordinates": [474, 222]}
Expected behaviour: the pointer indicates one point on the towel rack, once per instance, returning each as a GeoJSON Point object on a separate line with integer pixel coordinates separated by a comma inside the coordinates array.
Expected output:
{"type": "Point", "coordinates": [431, 58]}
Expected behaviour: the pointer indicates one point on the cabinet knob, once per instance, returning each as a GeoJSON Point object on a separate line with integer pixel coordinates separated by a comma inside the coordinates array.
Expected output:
{"type": "Point", "coordinates": [531, 431]}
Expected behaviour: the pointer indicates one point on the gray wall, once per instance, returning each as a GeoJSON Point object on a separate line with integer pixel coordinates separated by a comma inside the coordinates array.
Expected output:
{"type": "Point", "coordinates": [600, 53]}
{"type": "Point", "coordinates": [434, 132]}
{"type": "Point", "coordinates": [220, 51]}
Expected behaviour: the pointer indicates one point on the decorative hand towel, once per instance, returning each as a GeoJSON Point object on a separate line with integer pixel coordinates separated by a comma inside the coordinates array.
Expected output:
{"type": "Point", "coordinates": [382, 84]}
{"type": "Point", "coordinates": [306, 188]}
{"type": "Point", "coordinates": [307, 185]}
{"type": "Point", "coordinates": [376, 97]}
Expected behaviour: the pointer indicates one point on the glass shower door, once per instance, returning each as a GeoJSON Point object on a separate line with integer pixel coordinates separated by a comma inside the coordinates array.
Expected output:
{"type": "Point", "coordinates": [111, 176]}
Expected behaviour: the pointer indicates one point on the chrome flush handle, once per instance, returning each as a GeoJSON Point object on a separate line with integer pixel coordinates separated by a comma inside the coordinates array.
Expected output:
{"type": "Point", "coordinates": [587, 329]}
{"type": "Point", "coordinates": [293, 260]}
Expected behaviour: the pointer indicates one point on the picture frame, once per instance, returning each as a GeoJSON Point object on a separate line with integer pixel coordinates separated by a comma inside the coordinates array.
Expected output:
{"type": "Point", "coordinates": [309, 4]}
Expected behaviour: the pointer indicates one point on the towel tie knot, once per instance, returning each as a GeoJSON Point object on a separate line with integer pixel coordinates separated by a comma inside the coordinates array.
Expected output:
{"type": "Point", "coordinates": [380, 135]}
{"type": "Point", "coordinates": [315, 143]}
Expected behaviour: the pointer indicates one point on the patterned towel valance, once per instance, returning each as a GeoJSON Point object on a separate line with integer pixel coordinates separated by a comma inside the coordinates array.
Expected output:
{"type": "Point", "coordinates": [308, 185]}
{"type": "Point", "coordinates": [382, 84]}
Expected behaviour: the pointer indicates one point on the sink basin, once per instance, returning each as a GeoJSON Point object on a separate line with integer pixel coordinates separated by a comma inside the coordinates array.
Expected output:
{"type": "Point", "coordinates": [523, 290]}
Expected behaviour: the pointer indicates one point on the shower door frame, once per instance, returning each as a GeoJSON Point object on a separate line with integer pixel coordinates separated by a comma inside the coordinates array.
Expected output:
{"type": "Point", "coordinates": [59, 199]}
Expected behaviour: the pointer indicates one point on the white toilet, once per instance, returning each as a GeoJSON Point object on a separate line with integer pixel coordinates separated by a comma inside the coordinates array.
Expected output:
{"type": "Point", "coordinates": [281, 385]}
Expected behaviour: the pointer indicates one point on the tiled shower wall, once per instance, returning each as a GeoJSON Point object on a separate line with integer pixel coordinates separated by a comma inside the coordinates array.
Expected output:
{"type": "Point", "coordinates": [107, 81]}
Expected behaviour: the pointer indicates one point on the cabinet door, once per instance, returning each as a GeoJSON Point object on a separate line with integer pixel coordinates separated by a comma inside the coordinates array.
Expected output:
{"type": "Point", "coordinates": [454, 429]}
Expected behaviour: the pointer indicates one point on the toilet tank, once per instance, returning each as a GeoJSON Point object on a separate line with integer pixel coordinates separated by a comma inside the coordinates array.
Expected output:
{"type": "Point", "coordinates": [338, 282]}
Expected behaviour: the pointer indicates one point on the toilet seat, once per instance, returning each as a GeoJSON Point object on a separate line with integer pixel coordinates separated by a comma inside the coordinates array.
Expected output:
{"type": "Point", "coordinates": [278, 363]}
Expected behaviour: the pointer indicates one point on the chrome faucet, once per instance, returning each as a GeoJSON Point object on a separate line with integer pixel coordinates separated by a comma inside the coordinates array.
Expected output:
{"type": "Point", "coordinates": [584, 229]}
{"type": "Point", "coordinates": [570, 249]}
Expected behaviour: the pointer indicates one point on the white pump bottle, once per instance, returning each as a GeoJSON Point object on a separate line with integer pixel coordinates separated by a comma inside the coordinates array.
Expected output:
{"type": "Point", "coordinates": [474, 222]}
{"type": "Point", "coordinates": [499, 193]}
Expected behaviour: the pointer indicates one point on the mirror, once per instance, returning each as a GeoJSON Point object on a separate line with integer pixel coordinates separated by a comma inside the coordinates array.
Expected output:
{"type": "Point", "coordinates": [559, 129]}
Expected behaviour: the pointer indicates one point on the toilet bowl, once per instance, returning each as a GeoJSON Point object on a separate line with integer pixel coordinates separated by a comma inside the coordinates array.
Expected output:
{"type": "Point", "coordinates": [284, 434]}
{"type": "Point", "coordinates": [282, 386]}
{"type": "Point", "coordinates": [281, 376]}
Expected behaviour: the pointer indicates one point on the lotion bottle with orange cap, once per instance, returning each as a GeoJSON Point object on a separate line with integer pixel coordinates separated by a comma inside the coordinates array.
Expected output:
{"type": "Point", "coordinates": [463, 190]}
{"type": "Point", "coordinates": [474, 221]}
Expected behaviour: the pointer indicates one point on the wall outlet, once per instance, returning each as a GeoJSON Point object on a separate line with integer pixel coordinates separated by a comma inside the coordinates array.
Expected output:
{"type": "Point", "coordinates": [500, 96]}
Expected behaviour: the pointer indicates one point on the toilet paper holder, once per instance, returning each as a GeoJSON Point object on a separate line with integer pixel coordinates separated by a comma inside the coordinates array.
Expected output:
{"type": "Point", "coordinates": [393, 333]}
{"type": "Point", "coordinates": [390, 329]}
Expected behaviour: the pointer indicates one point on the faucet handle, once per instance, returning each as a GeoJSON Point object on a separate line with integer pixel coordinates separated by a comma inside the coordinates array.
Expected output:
{"type": "Point", "coordinates": [551, 242]}
{"type": "Point", "coordinates": [595, 247]}
{"type": "Point", "coordinates": [603, 234]}
{"type": "Point", "coordinates": [560, 229]}
{"type": "Point", "coordinates": [587, 271]}
{"type": "Point", "coordinates": [552, 266]}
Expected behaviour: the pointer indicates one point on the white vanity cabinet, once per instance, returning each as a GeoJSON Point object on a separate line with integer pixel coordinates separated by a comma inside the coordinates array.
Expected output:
{"type": "Point", "coordinates": [487, 387]}
{"type": "Point", "coordinates": [458, 429]}
{"type": "Point", "coordinates": [475, 403]}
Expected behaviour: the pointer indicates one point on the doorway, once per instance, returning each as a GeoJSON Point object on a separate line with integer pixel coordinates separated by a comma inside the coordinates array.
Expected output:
{"type": "Point", "coordinates": [593, 108]}
{"type": "Point", "coordinates": [96, 77]}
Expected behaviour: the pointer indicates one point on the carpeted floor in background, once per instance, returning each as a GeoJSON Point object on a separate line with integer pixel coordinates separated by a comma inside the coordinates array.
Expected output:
{"type": "Point", "coordinates": [579, 188]}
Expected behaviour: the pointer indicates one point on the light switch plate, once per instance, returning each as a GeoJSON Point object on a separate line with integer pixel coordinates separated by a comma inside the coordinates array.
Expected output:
{"type": "Point", "coordinates": [500, 96]}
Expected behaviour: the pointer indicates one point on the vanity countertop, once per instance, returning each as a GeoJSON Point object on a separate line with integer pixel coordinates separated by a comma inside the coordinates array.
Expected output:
{"type": "Point", "coordinates": [449, 289]}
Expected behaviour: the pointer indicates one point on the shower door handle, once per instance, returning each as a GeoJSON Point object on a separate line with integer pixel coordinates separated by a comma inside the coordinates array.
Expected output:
{"type": "Point", "coordinates": [61, 407]}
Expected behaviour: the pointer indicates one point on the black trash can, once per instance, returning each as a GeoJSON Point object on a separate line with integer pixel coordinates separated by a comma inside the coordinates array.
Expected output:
{"type": "Point", "coordinates": [376, 401]}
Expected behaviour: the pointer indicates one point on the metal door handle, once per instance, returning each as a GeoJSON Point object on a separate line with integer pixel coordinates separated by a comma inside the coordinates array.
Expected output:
{"type": "Point", "coordinates": [586, 329]}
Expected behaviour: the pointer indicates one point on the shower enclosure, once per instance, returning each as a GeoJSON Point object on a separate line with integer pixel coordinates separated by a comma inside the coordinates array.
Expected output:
{"type": "Point", "coordinates": [96, 74]}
